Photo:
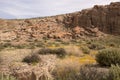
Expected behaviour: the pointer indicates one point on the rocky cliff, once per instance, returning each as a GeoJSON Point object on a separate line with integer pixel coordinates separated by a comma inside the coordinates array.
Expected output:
{"type": "Point", "coordinates": [93, 22]}
{"type": "Point", "coordinates": [106, 18]}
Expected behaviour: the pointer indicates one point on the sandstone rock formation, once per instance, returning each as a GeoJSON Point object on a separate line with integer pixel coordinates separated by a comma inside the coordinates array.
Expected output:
{"type": "Point", "coordinates": [92, 22]}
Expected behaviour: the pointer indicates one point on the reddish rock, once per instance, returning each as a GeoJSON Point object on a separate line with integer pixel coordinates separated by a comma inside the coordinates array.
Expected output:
{"type": "Point", "coordinates": [92, 22]}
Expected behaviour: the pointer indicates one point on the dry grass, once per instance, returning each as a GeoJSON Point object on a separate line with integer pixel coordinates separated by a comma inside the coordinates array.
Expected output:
{"type": "Point", "coordinates": [6, 77]}
{"type": "Point", "coordinates": [94, 52]}
{"type": "Point", "coordinates": [87, 59]}
{"type": "Point", "coordinates": [93, 72]}
{"type": "Point", "coordinates": [73, 50]}
{"type": "Point", "coordinates": [17, 55]}
{"type": "Point", "coordinates": [85, 50]}
{"type": "Point", "coordinates": [67, 69]}
{"type": "Point", "coordinates": [68, 61]}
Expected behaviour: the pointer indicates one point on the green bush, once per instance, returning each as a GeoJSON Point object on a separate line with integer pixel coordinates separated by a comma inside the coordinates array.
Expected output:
{"type": "Point", "coordinates": [89, 72]}
{"type": "Point", "coordinates": [33, 58]}
{"type": "Point", "coordinates": [60, 52]}
{"type": "Point", "coordinates": [45, 51]}
{"type": "Point", "coordinates": [114, 72]}
{"type": "Point", "coordinates": [107, 57]}
{"type": "Point", "coordinates": [39, 44]}
{"type": "Point", "coordinates": [85, 50]}
{"type": "Point", "coordinates": [96, 46]}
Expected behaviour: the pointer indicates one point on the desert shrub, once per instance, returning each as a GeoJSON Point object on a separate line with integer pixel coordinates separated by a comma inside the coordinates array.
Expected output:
{"type": "Point", "coordinates": [53, 44]}
{"type": "Point", "coordinates": [96, 46]}
{"type": "Point", "coordinates": [20, 46]}
{"type": "Point", "coordinates": [56, 44]}
{"type": "Point", "coordinates": [66, 73]}
{"type": "Point", "coordinates": [107, 57]}
{"type": "Point", "coordinates": [45, 51]}
{"type": "Point", "coordinates": [3, 77]}
{"type": "Point", "coordinates": [88, 72]}
{"type": "Point", "coordinates": [5, 45]}
{"type": "Point", "coordinates": [114, 72]}
{"type": "Point", "coordinates": [58, 40]}
{"type": "Point", "coordinates": [33, 58]}
{"type": "Point", "coordinates": [60, 52]}
{"type": "Point", "coordinates": [73, 50]}
{"type": "Point", "coordinates": [85, 50]}
{"type": "Point", "coordinates": [39, 44]}
{"type": "Point", "coordinates": [112, 44]}
{"type": "Point", "coordinates": [31, 47]}
{"type": "Point", "coordinates": [65, 43]}
{"type": "Point", "coordinates": [113, 41]}
{"type": "Point", "coordinates": [67, 69]}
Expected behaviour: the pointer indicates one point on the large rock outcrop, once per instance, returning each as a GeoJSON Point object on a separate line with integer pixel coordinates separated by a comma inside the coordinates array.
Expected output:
{"type": "Point", "coordinates": [106, 18]}
{"type": "Point", "coordinates": [93, 22]}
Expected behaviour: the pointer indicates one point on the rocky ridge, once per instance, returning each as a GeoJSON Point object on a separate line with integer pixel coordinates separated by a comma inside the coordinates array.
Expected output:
{"type": "Point", "coordinates": [93, 22]}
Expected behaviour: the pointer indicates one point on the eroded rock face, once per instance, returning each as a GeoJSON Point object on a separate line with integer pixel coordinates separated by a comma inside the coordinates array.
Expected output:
{"type": "Point", "coordinates": [106, 18]}
{"type": "Point", "coordinates": [92, 22]}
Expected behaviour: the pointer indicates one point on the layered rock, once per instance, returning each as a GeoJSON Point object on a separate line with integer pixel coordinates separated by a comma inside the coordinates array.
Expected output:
{"type": "Point", "coordinates": [106, 18]}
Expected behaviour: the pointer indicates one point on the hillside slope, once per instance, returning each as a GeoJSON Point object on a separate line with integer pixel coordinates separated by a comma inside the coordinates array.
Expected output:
{"type": "Point", "coordinates": [94, 22]}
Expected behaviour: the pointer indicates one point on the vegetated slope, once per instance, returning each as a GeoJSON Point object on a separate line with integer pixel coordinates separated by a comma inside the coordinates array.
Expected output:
{"type": "Point", "coordinates": [94, 22]}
